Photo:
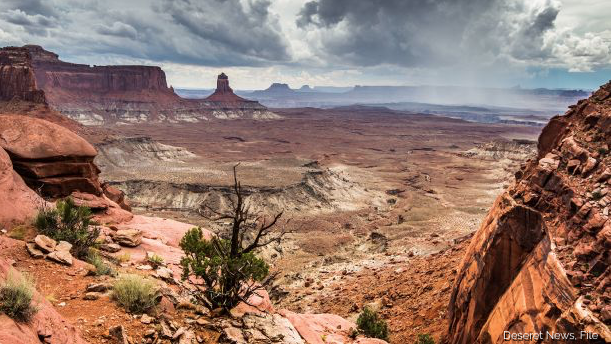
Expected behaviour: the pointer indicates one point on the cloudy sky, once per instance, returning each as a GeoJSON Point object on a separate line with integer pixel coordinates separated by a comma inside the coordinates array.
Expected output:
{"type": "Point", "coordinates": [534, 43]}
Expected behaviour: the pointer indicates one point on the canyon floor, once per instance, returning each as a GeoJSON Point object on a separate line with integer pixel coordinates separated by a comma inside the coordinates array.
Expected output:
{"type": "Point", "coordinates": [366, 193]}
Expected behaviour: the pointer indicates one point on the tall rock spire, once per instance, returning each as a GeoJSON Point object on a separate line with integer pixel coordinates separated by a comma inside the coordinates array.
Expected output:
{"type": "Point", "coordinates": [224, 92]}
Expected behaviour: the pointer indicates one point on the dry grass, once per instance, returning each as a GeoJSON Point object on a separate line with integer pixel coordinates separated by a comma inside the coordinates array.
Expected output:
{"type": "Point", "coordinates": [16, 296]}
{"type": "Point", "coordinates": [135, 293]}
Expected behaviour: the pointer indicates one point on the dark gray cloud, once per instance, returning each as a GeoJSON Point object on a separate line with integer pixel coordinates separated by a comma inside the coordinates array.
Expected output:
{"type": "Point", "coordinates": [118, 29]}
{"type": "Point", "coordinates": [213, 32]}
{"type": "Point", "coordinates": [347, 35]}
{"type": "Point", "coordinates": [426, 33]}
{"type": "Point", "coordinates": [247, 30]}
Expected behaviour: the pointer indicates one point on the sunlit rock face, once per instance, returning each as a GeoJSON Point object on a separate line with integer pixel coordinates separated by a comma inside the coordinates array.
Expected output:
{"type": "Point", "coordinates": [541, 258]}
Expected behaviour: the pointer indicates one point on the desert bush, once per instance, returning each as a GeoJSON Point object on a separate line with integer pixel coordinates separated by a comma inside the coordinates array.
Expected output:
{"type": "Point", "coordinates": [155, 260]}
{"type": "Point", "coordinates": [371, 325]}
{"type": "Point", "coordinates": [16, 296]}
{"type": "Point", "coordinates": [18, 232]}
{"type": "Point", "coordinates": [102, 267]}
{"type": "Point", "coordinates": [123, 258]}
{"type": "Point", "coordinates": [597, 195]}
{"type": "Point", "coordinates": [70, 223]}
{"type": "Point", "coordinates": [227, 264]}
{"type": "Point", "coordinates": [135, 293]}
{"type": "Point", "coordinates": [223, 274]}
{"type": "Point", "coordinates": [424, 339]}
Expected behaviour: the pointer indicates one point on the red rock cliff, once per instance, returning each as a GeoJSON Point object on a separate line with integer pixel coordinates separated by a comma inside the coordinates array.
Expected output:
{"type": "Point", "coordinates": [541, 258]}
{"type": "Point", "coordinates": [112, 94]}
{"type": "Point", "coordinates": [54, 76]}
{"type": "Point", "coordinates": [17, 76]}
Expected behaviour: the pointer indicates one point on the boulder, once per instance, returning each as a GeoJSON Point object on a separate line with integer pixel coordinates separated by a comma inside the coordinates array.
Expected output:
{"type": "Point", "coordinates": [63, 246]}
{"type": "Point", "coordinates": [127, 237]}
{"type": "Point", "coordinates": [49, 157]}
{"type": "Point", "coordinates": [62, 257]}
{"type": "Point", "coordinates": [325, 328]}
{"type": "Point", "coordinates": [44, 243]}
{"type": "Point", "coordinates": [18, 203]}
{"type": "Point", "coordinates": [116, 196]}
{"type": "Point", "coordinates": [99, 287]}
{"type": "Point", "coordinates": [33, 251]}
{"type": "Point", "coordinates": [112, 248]}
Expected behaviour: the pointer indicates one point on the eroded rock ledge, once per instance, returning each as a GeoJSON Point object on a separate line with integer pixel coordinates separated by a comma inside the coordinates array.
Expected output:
{"type": "Point", "coordinates": [541, 259]}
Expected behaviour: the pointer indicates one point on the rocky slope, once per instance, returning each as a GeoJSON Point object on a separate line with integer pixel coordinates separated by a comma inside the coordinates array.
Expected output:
{"type": "Point", "coordinates": [111, 94]}
{"type": "Point", "coordinates": [541, 258]}
{"type": "Point", "coordinates": [53, 157]}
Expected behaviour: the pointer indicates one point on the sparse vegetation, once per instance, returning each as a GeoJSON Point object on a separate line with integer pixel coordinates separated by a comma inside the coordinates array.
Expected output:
{"type": "Point", "coordinates": [602, 151]}
{"type": "Point", "coordinates": [229, 268]}
{"type": "Point", "coordinates": [102, 268]}
{"type": "Point", "coordinates": [371, 325]}
{"type": "Point", "coordinates": [16, 296]}
{"type": "Point", "coordinates": [156, 261]}
{"type": "Point", "coordinates": [424, 339]}
{"type": "Point", "coordinates": [70, 223]}
{"type": "Point", "coordinates": [18, 232]}
{"type": "Point", "coordinates": [135, 293]}
{"type": "Point", "coordinates": [596, 195]}
{"type": "Point", "coordinates": [124, 257]}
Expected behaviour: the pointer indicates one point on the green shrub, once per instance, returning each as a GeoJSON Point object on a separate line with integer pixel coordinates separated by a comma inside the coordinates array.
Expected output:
{"type": "Point", "coordinates": [597, 195]}
{"type": "Point", "coordinates": [102, 268]}
{"type": "Point", "coordinates": [229, 279]}
{"type": "Point", "coordinates": [70, 223]}
{"type": "Point", "coordinates": [135, 293]}
{"type": "Point", "coordinates": [16, 296]}
{"type": "Point", "coordinates": [156, 261]}
{"type": "Point", "coordinates": [424, 339]}
{"type": "Point", "coordinates": [371, 326]}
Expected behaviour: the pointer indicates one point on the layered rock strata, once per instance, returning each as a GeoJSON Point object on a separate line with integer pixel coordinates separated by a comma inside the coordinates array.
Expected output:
{"type": "Point", "coordinates": [17, 76]}
{"type": "Point", "coordinates": [540, 261]}
{"type": "Point", "coordinates": [49, 158]}
{"type": "Point", "coordinates": [96, 95]}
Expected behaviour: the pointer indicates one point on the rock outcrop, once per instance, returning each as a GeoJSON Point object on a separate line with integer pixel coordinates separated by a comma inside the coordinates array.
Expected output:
{"type": "Point", "coordinates": [49, 158]}
{"type": "Point", "coordinates": [18, 203]}
{"type": "Point", "coordinates": [111, 94]}
{"type": "Point", "coordinates": [540, 261]}
{"type": "Point", "coordinates": [17, 76]}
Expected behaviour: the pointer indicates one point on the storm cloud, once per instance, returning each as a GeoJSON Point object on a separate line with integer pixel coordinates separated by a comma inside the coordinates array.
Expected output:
{"type": "Point", "coordinates": [214, 32]}
{"type": "Point", "coordinates": [381, 41]}
{"type": "Point", "coordinates": [425, 33]}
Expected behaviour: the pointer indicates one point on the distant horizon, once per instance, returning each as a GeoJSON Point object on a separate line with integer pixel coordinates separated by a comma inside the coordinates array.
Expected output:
{"type": "Point", "coordinates": [555, 44]}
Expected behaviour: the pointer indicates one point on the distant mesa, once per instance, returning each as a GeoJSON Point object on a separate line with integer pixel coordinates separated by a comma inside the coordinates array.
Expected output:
{"type": "Point", "coordinates": [279, 87]}
{"type": "Point", "coordinates": [306, 88]}
{"type": "Point", "coordinates": [275, 90]}
{"type": "Point", "coordinates": [120, 94]}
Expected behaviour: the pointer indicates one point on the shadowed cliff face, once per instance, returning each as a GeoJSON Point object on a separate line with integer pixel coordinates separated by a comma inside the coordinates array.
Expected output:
{"type": "Point", "coordinates": [96, 95]}
{"type": "Point", "coordinates": [17, 76]}
{"type": "Point", "coordinates": [541, 258]}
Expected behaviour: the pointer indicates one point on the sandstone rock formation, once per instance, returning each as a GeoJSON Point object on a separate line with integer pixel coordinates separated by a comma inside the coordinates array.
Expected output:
{"type": "Point", "coordinates": [50, 158]}
{"type": "Point", "coordinates": [111, 94]}
{"type": "Point", "coordinates": [18, 203]}
{"type": "Point", "coordinates": [17, 76]}
{"type": "Point", "coordinates": [541, 258]}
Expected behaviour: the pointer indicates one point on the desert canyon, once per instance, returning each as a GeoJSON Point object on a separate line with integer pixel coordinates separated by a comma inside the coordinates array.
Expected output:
{"type": "Point", "coordinates": [454, 228]}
